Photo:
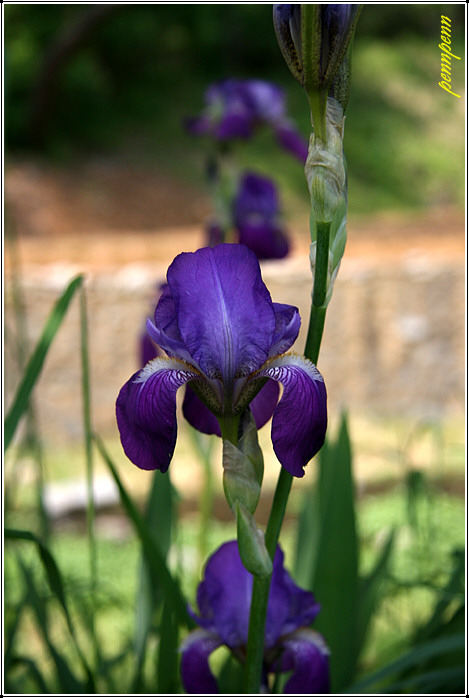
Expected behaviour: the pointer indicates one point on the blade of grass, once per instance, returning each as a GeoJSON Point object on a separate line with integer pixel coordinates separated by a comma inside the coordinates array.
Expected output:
{"type": "Point", "coordinates": [159, 570]}
{"type": "Point", "coordinates": [36, 361]}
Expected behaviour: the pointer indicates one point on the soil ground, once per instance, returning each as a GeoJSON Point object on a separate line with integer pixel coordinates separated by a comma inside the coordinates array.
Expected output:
{"type": "Point", "coordinates": [100, 215]}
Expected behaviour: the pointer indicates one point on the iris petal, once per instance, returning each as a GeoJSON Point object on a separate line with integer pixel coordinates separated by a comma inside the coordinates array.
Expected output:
{"type": "Point", "coordinates": [287, 327]}
{"type": "Point", "coordinates": [300, 419]}
{"type": "Point", "coordinates": [224, 310]}
{"type": "Point", "coordinates": [264, 404]}
{"type": "Point", "coordinates": [195, 669]}
{"type": "Point", "coordinates": [146, 412]}
{"type": "Point", "coordinates": [290, 607]}
{"type": "Point", "coordinates": [198, 415]}
{"type": "Point", "coordinates": [306, 653]}
{"type": "Point", "coordinates": [165, 331]}
{"type": "Point", "coordinates": [224, 596]}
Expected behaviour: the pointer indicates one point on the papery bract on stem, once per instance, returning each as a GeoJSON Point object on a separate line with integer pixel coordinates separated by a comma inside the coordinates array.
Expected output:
{"type": "Point", "coordinates": [225, 337]}
{"type": "Point", "coordinates": [224, 598]}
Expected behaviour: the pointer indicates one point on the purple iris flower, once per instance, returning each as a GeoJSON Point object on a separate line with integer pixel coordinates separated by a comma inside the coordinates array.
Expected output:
{"type": "Point", "coordinates": [225, 337]}
{"type": "Point", "coordinates": [235, 108]}
{"type": "Point", "coordinates": [256, 216]}
{"type": "Point", "coordinates": [224, 599]}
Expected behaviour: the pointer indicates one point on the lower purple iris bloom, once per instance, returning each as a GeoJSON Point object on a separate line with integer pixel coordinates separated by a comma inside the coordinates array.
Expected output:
{"type": "Point", "coordinates": [225, 337]}
{"type": "Point", "coordinates": [224, 599]}
{"type": "Point", "coordinates": [257, 217]}
{"type": "Point", "coordinates": [235, 108]}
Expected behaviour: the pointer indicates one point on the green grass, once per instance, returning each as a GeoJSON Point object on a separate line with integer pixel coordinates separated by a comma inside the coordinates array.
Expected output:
{"type": "Point", "coordinates": [420, 565]}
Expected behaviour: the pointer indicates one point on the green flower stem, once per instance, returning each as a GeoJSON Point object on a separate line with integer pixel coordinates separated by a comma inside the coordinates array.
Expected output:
{"type": "Point", "coordinates": [261, 586]}
{"type": "Point", "coordinates": [317, 318]}
{"type": "Point", "coordinates": [318, 306]}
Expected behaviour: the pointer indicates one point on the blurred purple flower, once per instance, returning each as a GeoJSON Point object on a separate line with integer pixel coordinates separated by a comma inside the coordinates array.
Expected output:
{"type": "Point", "coordinates": [235, 108]}
{"type": "Point", "coordinates": [224, 599]}
{"type": "Point", "coordinates": [223, 336]}
{"type": "Point", "coordinates": [256, 217]}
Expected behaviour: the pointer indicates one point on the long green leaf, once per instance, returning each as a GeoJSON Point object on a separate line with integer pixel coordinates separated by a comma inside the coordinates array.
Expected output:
{"type": "Point", "coordinates": [167, 680]}
{"type": "Point", "coordinates": [335, 580]}
{"type": "Point", "coordinates": [448, 681]}
{"type": "Point", "coordinates": [368, 594]}
{"type": "Point", "coordinates": [68, 682]}
{"type": "Point", "coordinates": [36, 361]}
{"type": "Point", "coordinates": [56, 585]}
{"type": "Point", "coordinates": [30, 665]}
{"type": "Point", "coordinates": [158, 518]}
{"type": "Point", "coordinates": [159, 570]}
{"type": "Point", "coordinates": [419, 654]}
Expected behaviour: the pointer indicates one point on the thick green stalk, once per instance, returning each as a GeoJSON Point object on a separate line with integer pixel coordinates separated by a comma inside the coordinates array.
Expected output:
{"type": "Point", "coordinates": [261, 586]}
{"type": "Point", "coordinates": [318, 306]}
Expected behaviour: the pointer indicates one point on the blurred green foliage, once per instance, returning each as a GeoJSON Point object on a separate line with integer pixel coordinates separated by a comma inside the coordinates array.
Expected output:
{"type": "Point", "coordinates": [120, 80]}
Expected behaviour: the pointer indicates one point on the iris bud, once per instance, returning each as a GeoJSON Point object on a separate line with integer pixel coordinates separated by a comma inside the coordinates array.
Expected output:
{"type": "Point", "coordinates": [315, 41]}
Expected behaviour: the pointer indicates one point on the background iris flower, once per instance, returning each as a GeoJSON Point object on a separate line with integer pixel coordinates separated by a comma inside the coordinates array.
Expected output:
{"type": "Point", "coordinates": [224, 598]}
{"type": "Point", "coordinates": [235, 108]}
{"type": "Point", "coordinates": [222, 334]}
{"type": "Point", "coordinates": [257, 217]}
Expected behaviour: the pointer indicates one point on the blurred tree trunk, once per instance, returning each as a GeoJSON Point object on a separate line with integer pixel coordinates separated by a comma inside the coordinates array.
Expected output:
{"type": "Point", "coordinates": [66, 44]}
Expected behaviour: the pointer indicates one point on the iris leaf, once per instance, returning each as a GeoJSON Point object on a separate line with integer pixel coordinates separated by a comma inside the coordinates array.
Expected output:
{"type": "Point", "coordinates": [36, 361]}
{"type": "Point", "coordinates": [158, 569]}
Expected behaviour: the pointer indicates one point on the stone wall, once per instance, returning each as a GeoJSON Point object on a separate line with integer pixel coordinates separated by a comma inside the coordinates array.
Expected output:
{"type": "Point", "coordinates": [394, 339]}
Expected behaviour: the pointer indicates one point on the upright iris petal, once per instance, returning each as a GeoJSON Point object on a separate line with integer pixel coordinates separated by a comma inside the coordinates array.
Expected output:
{"type": "Point", "coordinates": [224, 337]}
{"type": "Point", "coordinates": [224, 599]}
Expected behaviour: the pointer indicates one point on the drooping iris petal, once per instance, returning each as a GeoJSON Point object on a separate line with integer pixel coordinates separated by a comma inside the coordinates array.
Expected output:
{"type": "Point", "coordinates": [291, 140]}
{"type": "Point", "coordinates": [300, 419]}
{"type": "Point", "coordinates": [198, 415]}
{"type": "Point", "coordinates": [146, 412]}
{"type": "Point", "coordinates": [287, 327]}
{"type": "Point", "coordinates": [306, 653]}
{"type": "Point", "coordinates": [224, 310]}
{"type": "Point", "coordinates": [195, 669]}
{"type": "Point", "coordinates": [290, 607]}
{"type": "Point", "coordinates": [224, 596]}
